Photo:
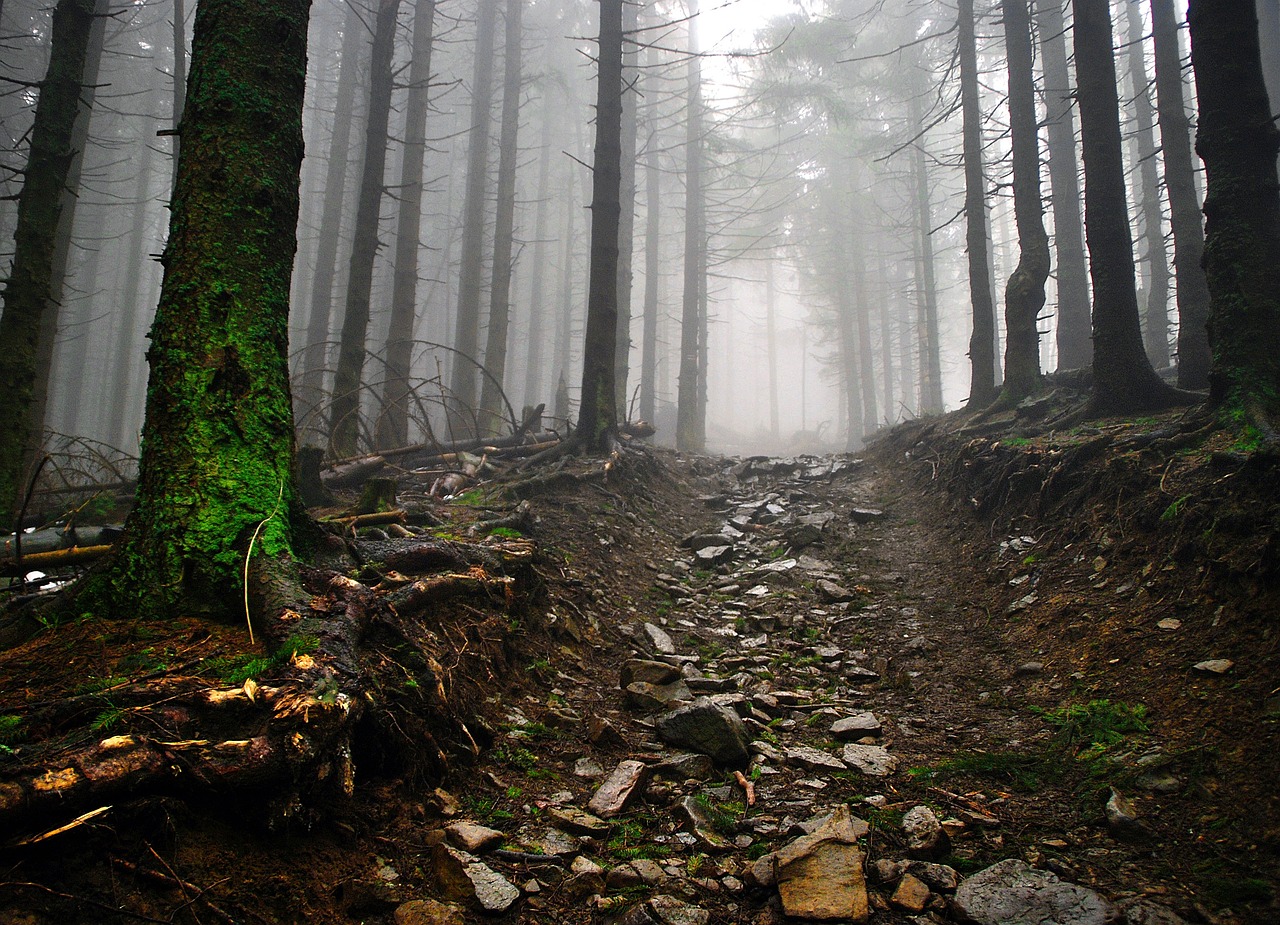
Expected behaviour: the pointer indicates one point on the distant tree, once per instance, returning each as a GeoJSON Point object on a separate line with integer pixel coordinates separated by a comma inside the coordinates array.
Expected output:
{"type": "Point", "coordinates": [1024, 292]}
{"type": "Point", "coordinates": [597, 416]}
{"type": "Point", "coordinates": [1238, 141]}
{"type": "Point", "coordinates": [30, 289]}
{"type": "Point", "coordinates": [690, 420]}
{"type": "Point", "coordinates": [627, 220]}
{"type": "Point", "coordinates": [1123, 380]}
{"type": "Point", "coordinates": [215, 487]}
{"type": "Point", "coordinates": [1184, 202]}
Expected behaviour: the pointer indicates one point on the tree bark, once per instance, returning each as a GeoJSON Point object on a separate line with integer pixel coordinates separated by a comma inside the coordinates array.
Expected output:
{"type": "Point", "coordinates": [495, 352]}
{"type": "Point", "coordinates": [1155, 313]}
{"type": "Point", "coordinates": [1238, 142]}
{"type": "Point", "coordinates": [1123, 380]}
{"type": "Point", "coordinates": [930, 349]}
{"type": "Point", "coordinates": [652, 280]}
{"type": "Point", "coordinates": [1024, 292]}
{"type": "Point", "coordinates": [534, 373]}
{"type": "Point", "coordinates": [689, 404]}
{"type": "Point", "coordinates": [1073, 337]}
{"type": "Point", "coordinates": [393, 422]}
{"type": "Point", "coordinates": [179, 78]}
{"type": "Point", "coordinates": [31, 290]}
{"type": "Point", "coordinates": [982, 357]}
{"type": "Point", "coordinates": [627, 220]}
{"type": "Point", "coordinates": [216, 475]}
{"type": "Point", "coordinates": [1184, 202]}
{"type": "Point", "coordinates": [466, 337]}
{"type": "Point", "coordinates": [597, 415]}
{"type": "Point", "coordinates": [348, 383]}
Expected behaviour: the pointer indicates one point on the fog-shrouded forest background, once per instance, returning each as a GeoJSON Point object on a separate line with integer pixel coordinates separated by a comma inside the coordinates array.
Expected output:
{"type": "Point", "coordinates": [798, 177]}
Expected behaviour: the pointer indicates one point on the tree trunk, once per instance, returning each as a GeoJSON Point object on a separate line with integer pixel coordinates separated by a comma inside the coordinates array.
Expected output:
{"type": "Point", "coordinates": [1073, 338]}
{"type": "Point", "coordinates": [597, 414]}
{"type": "Point", "coordinates": [344, 414]}
{"type": "Point", "coordinates": [466, 337]}
{"type": "Point", "coordinates": [1184, 202]}
{"type": "Point", "coordinates": [886, 340]}
{"type": "Point", "coordinates": [319, 320]}
{"type": "Point", "coordinates": [535, 379]}
{"type": "Point", "coordinates": [688, 426]}
{"type": "Point", "coordinates": [1024, 292]}
{"type": "Point", "coordinates": [627, 221]}
{"type": "Point", "coordinates": [771, 344]}
{"type": "Point", "coordinates": [216, 475]}
{"type": "Point", "coordinates": [1238, 142]}
{"type": "Point", "coordinates": [495, 352]}
{"type": "Point", "coordinates": [31, 290]}
{"type": "Point", "coordinates": [930, 349]}
{"type": "Point", "coordinates": [393, 422]}
{"type": "Point", "coordinates": [179, 78]}
{"type": "Point", "coordinates": [1123, 380]}
{"type": "Point", "coordinates": [982, 357]}
{"type": "Point", "coordinates": [1156, 313]}
{"type": "Point", "coordinates": [652, 280]}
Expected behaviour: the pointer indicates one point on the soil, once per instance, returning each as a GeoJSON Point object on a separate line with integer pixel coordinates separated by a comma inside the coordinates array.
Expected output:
{"type": "Point", "coordinates": [1024, 612]}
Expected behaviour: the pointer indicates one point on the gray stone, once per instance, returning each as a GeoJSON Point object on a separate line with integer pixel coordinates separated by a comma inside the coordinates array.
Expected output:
{"type": "Point", "coordinates": [658, 640]}
{"type": "Point", "coordinates": [642, 695]}
{"type": "Point", "coordinates": [585, 877]}
{"type": "Point", "coordinates": [462, 878]}
{"type": "Point", "coordinates": [1028, 669]}
{"type": "Point", "coordinates": [831, 592]}
{"type": "Point", "coordinates": [574, 820]}
{"type": "Point", "coordinates": [620, 789]}
{"type": "Point", "coordinates": [872, 760]}
{"type": "Point", "coordinates": [473, 838]}
{"type": "Point", "coordinates": [553, 843]}
{"type": "Point", "coordinates": [1214, 666]}
{"type": "Point", "coordinates": [685, 767]}
{"type": "Point", "coordinates": [1013, 893]}
{"type": "Point", "coordinates": [641, 669]}
{"type": "Point", "coordinates": [852, 728]}
{"type": "Point", "coordinates": [714, 555]}
{"type": "Point", "coordinates": [1142, 911]}
{"type": "Point", "coordinates": [709, 729]}
{"type": "Point", "coordinates": [813, 759]}
{"type": "Point", "coordinates": [587, 767]}
{"type": "Point", "coordinates": [702, 826]}
{"type": "Point", "coordinates": [1122, 818]}
{"type": "Point", "coordinates": [940, 877]}
{"type": "Point", "coordinates": [428, 912]}
{"type": "Point", "coordinates": [926, 839]}
{"type": "Point", "coordinates": [865, 515]}
{"type": "Point", "coordinates": [699, 541]}
{"type": "Point", "coordinates": [670, 911]}
{"type": "Point", "coordinates": [856, 674]}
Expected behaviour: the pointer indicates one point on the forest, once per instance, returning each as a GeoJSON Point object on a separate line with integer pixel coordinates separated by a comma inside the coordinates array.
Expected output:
{"type": "Point", "coordinates": [645, 462]}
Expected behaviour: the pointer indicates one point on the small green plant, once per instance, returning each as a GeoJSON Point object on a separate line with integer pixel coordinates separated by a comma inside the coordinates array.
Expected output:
{"type": "Point", "coordinates": [723, 816]}
{"type": "Point", "coordinates": [515, 756]}
{"type": "Point", "coordinates": [1020, 771]}
{"type": "Point", "coordinates": [107, 720]}
{"type": "Point", "coordinates": [1174, 509]}
{"type": "Point", "coordinates": [10, 733]}
{"type": "Point", "coordinates": [1016, 441]}
{"type": "Point", "coordinates": [508, 533]}
{"type": "Point", "coordinates": [237, 669]}
{"type": "Point", "coordinates": [1098, 722]}
{"type": "Point", "coordinates": [629, 842]}
{"type": "Point", "coordinates": [540, 664]}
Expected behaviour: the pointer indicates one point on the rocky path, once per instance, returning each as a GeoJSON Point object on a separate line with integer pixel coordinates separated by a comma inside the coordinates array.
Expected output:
{"type": "Point", "coordinates": [777, 731]}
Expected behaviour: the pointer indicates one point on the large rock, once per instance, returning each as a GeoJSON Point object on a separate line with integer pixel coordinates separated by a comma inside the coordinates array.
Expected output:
{"type": "Point", "coordinates": [428, 912]}
{"type": "Point", "coordinates": [821, 879]}
{"type": "Point", "coordinates": [658, 640]}
{"type": "Point", "coordinates": [853, 728]}
{"type": "Point", "coordinates": [463, 878]}
{"type": "Point", "coordinates": [709, 729]}
{"type": "Point", "coordinates": [642, 695]}
{"type": "Point", "coordinates": [1013, 893]}
{"type": "Point", "coordinates": [651, 672]}
{"type": "Point", "coordinates": [871, 760]}
{"type": "Point", "coordinates": [926, 839]}
{"type": "Point", "coordinates": [620, 789]}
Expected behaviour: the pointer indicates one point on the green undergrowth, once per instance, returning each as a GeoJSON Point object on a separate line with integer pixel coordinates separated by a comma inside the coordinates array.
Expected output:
{"type": "Point", "coordinates": [236, 669]}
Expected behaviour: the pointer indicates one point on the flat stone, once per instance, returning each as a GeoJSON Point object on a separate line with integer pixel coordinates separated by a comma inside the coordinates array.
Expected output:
{"type": "Point", "coordinates": [831, 592]}
{"type": "Point", "coordinates": [699, 541]}
{"type": "Point", "coordinates": [1214, 666]}
{"type": "Point", "coordinates": [657, 639]}
{"type": "Point", "coordinates": [1169, 624]}
{"type": "Point", "coordinates": [700, 823]}
{"type": "Point", "coordinates": [587, 767]}
{"type": "Point", "coordinates": [1013, 893]}
{"type": "Point", "coordinates": [649, 698]}
{"type": "Point", "coordinates": [642, 669]}
{"type": "Point", "coordinates": [714, 555]}
{"type": "Point", "coordinates": [428, 912]}
{"type": "Point", "coordinates": [620, 789]}
{"type": "Point", "coordinates": [574, 820]}
{"type": "Point", "coordinates": [670, 911]}
{"type": "Point", "coordinates": [685, 767]}
{"type": "Point", "coordinates": [822, 880]}
{"type": "Point", "coordinates": [814, 759]}
{"type": "Point", "coordinates": [585, 877]}
{"type": "Point", "coordinates": [553, 843]}
{"type": "Point", "coordinates": [604, 734]}
{"type": "Point", "coordinates": [640, 872]}
{"type": "Point", "coordinates": [939, 877]}
{"type": "Point", "coordinates": [462, 878]}
{"type": "Point", "coordinates": [709, 729]}
{"type": "Point", "coordinates": [872, 760]}
{"type": "Point", "coordinates": [853, 728]}
{"type": "Point", "coordinates": [856, 674]}
{"type": "Point", "coordinates": [473, 838]}
{"type": "Point", "coordinates": [912, 895]}
{"type": "Point", "coordinates": [866, 515]}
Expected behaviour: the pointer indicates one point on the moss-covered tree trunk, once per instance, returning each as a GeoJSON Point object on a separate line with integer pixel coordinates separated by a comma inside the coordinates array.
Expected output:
{"type": "Point", "coordinates": [30, 289]}
{"type": "Point", "coordinates": [1024, 292]}
{"type": "Point", "coordinates": [597, 417]}
{"type": "Point", "coordinates": [217, 444]}
{"type": "Point", "coordinates": [1123, 380]}
{"type": "Point", "coordinates": [1238, 140]}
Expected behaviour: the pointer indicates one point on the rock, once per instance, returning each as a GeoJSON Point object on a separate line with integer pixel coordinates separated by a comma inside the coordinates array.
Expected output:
{"type": "Point", "coordinates": [1122, 818]}
{"type": "Point", "coordinates": [821, 879]}
{"type": "Point", "coordinates": [853, 728]}
{"type": "Point", "coordinates": [574, 820]}
{"type": "Point", "coordinates": [926, 839]}
{"type": "Point", "coordinates": [865, 515]}
{"type": "Point", "coordinates": [702, 826]}
{"type": "Point", "coordinates": [686, 766]}
{"type": "Point", "coordinates": [670, 911]}
{"type": "Point", "coordinates": [885, 871]}
{"type": "Point", "coordinates": [1142, 911]}
{"type": "Point", "coordinates": [587, 767]}
{"type": "Point", "coordinates": [714, 555]}
{"type": "Point", "coordinates": [428, 912]}
{"type": "Point", "coordinates": [641, 669]}
{"type": "Point", "coordinates": [640, 872]}
{"type": "Point", "coordinates": [802, 535]}
{"type": "Point", "coordinates": [586, 877]}
{"type": "Point", "coordinates": [1169, 624]}
{"type": "Point", "coordinates": [620, 789]}
{"type": "Point", "coordinates": [462, 878]}
{"type": "Point", "coordinates": [813, 759]}
{"type": "Point", "coordinates": [872, 760]}
{"type": "Point", "coordinates": [604, 734]}
{"type": "Point", "coordinates": [939, 877]}
{"type": "Point", "coordinates": [1214, 666]}
{"type": "Point", "coordinates": [856, 674]}
{"type": "Point", "coordinates": [649, 698]}
{"type": "Point", "coordinates": [446, 802]}
{"type": "Point", "coordinates": [699, 541]}
{"type": "Point", "coordinates": [840, 825]}
{"type": "Point", "coordinates": [473, 838]}
{"type": "Point", "coordinates": [658, 640]}
{"type": "Point", "coordinates": [1013, 893]}
{"type": "Point", "coordinates": [912, 895]}
{"type": "Point", "coordinates": [831, 592]}
{"type": "Point", "coordinates": [553, 843]}
{"type": "Point", "coordinates": [1028, 669]}
{"type": "Point", "coordinates": [709, 729]}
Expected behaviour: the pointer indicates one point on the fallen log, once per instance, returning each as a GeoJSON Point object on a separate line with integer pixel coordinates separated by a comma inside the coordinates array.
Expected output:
{"type": "Point", "coordinates": [58, 558]}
